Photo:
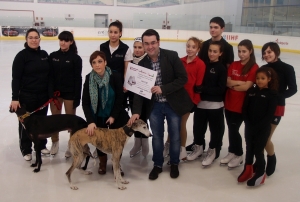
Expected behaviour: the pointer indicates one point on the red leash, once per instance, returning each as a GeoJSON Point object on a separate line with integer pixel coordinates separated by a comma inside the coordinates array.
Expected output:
{"type": "Point", "coordinates": [55, 101]}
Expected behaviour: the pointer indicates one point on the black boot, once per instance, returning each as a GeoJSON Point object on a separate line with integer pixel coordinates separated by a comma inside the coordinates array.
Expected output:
{"type": "Point", "coordinates": [271, 165]}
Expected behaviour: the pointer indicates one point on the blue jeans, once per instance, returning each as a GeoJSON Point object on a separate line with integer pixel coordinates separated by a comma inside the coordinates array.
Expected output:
{"type": "Point", "coordinates": [159, 112]}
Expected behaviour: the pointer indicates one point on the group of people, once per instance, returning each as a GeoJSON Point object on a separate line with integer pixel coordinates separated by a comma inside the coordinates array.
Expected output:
{"type": "Point", "coordinates": [204, 82]}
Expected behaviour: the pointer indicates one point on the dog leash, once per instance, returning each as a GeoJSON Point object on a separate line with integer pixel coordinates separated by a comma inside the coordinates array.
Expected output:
{"type": "Point", "coordinates": [55, 101]}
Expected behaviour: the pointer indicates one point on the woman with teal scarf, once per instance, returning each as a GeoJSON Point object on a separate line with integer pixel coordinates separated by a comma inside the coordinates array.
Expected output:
{"type": "Point", "coordinates": [102, 99]}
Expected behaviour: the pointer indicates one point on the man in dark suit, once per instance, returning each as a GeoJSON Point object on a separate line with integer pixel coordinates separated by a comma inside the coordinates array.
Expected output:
{"type": "Point", "coordinates": [169, 101]}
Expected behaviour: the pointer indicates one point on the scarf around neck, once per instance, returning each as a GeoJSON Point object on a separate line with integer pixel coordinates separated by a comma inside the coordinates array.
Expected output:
{"type": "Point", "coordinates": [136, 60]}
{"type": "Point", "coordinates": [95, 83]}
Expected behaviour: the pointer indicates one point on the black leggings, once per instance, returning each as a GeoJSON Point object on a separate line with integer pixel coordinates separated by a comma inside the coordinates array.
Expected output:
{"type": "Point", "coordinates": [234, 121]}
{"type": "Point", "coordinates": [256, 140]}
{"type": "Point", "coordinates": [215, 119]}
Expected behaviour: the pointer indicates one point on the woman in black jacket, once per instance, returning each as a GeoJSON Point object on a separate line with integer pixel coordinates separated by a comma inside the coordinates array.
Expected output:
{"type": "Point", "coordinates": [287, 88]}
{"type": "Point", "coordinates": [102, 100]}
{"type": "Point", "coordinates": [66, 68]}
{"type": "Point", "coordinates": [30, 85]}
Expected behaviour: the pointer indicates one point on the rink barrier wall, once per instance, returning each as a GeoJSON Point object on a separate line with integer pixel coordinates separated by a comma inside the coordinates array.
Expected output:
{"type": "Point", "coordinates": [286, 43]}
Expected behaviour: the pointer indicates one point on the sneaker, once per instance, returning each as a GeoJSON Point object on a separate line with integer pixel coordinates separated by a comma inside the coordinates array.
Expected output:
{"type": "Point", "coordinates": [174, 172]}
{"type": "Point", "coordinates": [227, 158]}
{"type": "Point", "coordinates": [183, 154]}
{"type": "Point", "coordinates": [166, 149]}
{"type": "Point", "coordinates": [45, 151]}
{"type": "Point", "coordinates": [236, 161]}
{"type": "Point", "coordinates": [68, 153]}
{"type": "Point", "coordinates": [154, 173]}
{"type": "Point", "coordinates": [54, 148]}
{"type": "Point", "coordinates": [136, 147]}
{"type": "Point", "coordinates": [198, 151]}
{"type": "Point", "coordinates": [95, 154]}
{"type": "Point", "coordinates": [28, 157]}
{"type": "Point", "coordinates": [210, 157]}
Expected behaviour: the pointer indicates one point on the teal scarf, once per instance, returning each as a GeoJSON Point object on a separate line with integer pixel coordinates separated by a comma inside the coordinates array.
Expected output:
{"type": "Point", "coordinates": [95, 83]}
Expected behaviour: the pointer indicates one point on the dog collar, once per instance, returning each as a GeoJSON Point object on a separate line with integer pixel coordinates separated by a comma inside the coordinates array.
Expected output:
{"type": "Point", "coordinates": [128, 131]}
{"type": "Point", "coordinates": [21, 118]}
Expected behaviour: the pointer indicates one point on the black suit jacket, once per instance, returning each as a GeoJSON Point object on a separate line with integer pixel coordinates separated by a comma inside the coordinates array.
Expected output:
{"type": "Point", "coordinates": [174, 77]}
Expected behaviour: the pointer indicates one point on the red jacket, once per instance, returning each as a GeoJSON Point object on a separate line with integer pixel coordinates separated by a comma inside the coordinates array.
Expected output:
{"type": "Point", "coordinates": [195, 71]}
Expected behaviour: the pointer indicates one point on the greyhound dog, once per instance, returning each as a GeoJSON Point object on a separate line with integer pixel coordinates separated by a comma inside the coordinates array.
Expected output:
{"type": "Point", "coordinates": [111, 141]}
{"type": "Point", "coordinates": [42, 127]}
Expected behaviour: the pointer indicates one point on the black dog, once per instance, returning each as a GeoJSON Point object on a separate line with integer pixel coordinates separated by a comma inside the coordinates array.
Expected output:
{"type": "Point", "coordinates": [42, 127]}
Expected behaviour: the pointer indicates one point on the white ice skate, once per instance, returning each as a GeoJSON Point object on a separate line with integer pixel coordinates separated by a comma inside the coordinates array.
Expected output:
{"type": "Point", "coordinates": [235, 162]}
{"type": "Point", "coordinates": [209, 158]}
{"type": "Point", "coordinates": [224, 161]}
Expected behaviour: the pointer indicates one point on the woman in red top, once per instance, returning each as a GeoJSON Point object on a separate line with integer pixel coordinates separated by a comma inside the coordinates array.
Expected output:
{"type": "Point", "coordinates": [241, 76]}
{"type": "Point", "coordinates": [195, 69]}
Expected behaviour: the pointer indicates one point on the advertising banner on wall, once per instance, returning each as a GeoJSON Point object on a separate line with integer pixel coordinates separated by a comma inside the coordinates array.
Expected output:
{"type": "Point", "coordinates": [12, 31]}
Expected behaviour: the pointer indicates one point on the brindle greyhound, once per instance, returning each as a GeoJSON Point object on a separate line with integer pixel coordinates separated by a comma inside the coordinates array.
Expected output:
{"type": "Point", "coordinates": [109, 141]}
{"type": "Point", "coordinates": [42, 127]}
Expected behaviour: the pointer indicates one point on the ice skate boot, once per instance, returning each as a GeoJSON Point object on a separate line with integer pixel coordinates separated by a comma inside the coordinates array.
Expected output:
{"type": "Point", "coordinates": [210, 157]}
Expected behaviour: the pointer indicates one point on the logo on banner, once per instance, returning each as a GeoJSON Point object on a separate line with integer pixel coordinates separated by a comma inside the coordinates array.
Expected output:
{"type": "Point", "coordinates": [102, 33]}
{"type": "Point", "coordinates": [281, 42]}
{"type": "Point", "coordinates": [231, 37]}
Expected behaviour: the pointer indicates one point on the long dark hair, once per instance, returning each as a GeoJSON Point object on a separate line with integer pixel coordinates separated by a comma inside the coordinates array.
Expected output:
{"type": "Point", "coordinates": [68, 36]}
{"type": "Point", "coordinates": [270, 73]}
{"type": "Point", "coordinates": [117, 24]}
{"type": "Point", "coordinates": [252, 61]}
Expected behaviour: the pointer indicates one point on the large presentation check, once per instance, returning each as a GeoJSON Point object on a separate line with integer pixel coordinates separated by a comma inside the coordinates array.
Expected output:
{"type": "Point", "coordinates": [140, 80]}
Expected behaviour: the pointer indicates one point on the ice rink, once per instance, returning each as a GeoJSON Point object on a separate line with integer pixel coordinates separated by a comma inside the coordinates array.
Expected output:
{"type": "Point", "coordinates": [214, 183]}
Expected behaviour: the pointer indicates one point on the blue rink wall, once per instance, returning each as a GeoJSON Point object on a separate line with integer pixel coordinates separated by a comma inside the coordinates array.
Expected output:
{"type": "Point", "coordinates": [287, 44]}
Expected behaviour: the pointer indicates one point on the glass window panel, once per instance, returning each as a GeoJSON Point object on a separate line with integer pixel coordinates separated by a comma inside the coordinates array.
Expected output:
{"type": "Point", "coordinates": [248, 3]}
{"type": "Point", "coordinates": [246, 16]}
{"type": "Point", "coordinates": [267, 2]}
{"type": "Point", "coordinates": [293, 13]}
{"type": "Point", "coordinates": [294, 2]}
{"type": "Point", "coordinates": [280, 13]}
{"type": "Point", "coordinates": [268, 13]}
{"type": "Point", "coordinates": [257, 14]}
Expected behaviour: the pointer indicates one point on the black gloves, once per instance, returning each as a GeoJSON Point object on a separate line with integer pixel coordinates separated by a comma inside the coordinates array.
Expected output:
{"type": "Point", "coordinates": [198, 89]}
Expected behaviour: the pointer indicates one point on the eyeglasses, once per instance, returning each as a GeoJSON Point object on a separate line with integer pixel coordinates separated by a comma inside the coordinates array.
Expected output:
{"type": "Point", "coordinates": [151, 43]}
{"type": "Point", "coordinates": [33, 38]}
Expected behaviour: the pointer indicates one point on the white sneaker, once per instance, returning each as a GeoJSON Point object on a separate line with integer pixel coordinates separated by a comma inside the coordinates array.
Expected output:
{"type": "Point", "coordinates": [68, 153]}
{"type": "Point", "coordinates": [227, 158]}
{"type": "Point", "coordinates": [28, 157]}
{"type": "Point", "coordinates": [54, 148]}
{"type": "Point", "coordinates": [210, 157]}
{"type": "Point", "coordinates": [197, 151]}
{"type": "Point", "coordinates": [45, 151]}
{"type": "Point", "coordinates": [183, 154]}
{"type": "Point", "coordinates": [95, 154]}
{"type": "Point", "coordinates": [166, 149]}
{"type": "Point", "coordinates": [236, 161]}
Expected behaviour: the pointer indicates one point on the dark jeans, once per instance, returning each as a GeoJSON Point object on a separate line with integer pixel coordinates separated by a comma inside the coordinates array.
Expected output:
{"type": "Point", "coordinates": [234, 121]}
{"type": "Point", "coordinates": [256, 140]}
{"type": "Point", "coordinates": [215, 119]}
{"type": "Point", "coordinates": [119, 122]}
{"type": "Point", "coordinates": [32, 102]}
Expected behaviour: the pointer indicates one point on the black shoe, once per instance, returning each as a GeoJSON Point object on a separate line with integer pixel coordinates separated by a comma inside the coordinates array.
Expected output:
{"type": "Point", "coordinates": [154, 173]}
{"type": "Point", "coordinates": [174, 172]}
{"type": "Point", "coordinates": [271, 165]}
